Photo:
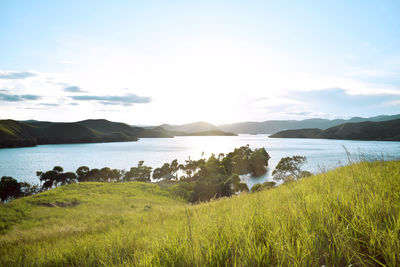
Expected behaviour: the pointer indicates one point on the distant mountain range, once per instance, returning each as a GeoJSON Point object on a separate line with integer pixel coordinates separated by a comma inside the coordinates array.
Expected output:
{"type": "Point", "coordinates": [194, 127]}
{"type": "Point", "coordinates": [273, 126]}
{"type": "Point", "coordinates": [30, 133]}
{"type": "Point", "coordinates": [368, 130]}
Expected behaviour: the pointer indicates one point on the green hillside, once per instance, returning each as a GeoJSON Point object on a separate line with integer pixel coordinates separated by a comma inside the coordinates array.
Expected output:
{"type": "Point", "coordinates": [368, 130]}
{"type": "Point", "coordinates": [346, 216]}
{"type": "Point", "coordinates": [31, 133]}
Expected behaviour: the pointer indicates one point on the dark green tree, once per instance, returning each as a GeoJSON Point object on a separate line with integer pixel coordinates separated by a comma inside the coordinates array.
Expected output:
{"type": "Point", "coordinates": [289, 169]}
{"type": "Point", "coordinates": [9, 188]}
{"type": "Point", "coordinates": [82, 172]}
{"type": "Point", "coordinates": [141, 173]}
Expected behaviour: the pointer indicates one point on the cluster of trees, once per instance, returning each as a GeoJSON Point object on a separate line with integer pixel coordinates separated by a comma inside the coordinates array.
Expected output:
{"type": "Point", "coordinates": [195, 180]}
{"type": "Point", "coordinates": [57, 176]}
{"type": "Point", "coordinates": [218, 176]}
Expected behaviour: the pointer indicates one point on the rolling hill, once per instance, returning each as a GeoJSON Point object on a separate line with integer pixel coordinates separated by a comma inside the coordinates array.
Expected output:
{"type": "Point", "coordinates": [368, 130]}
{"type": "Point", "coordinates": [31, 133]}
{"type": "Point", "coordinates": [273, 126]}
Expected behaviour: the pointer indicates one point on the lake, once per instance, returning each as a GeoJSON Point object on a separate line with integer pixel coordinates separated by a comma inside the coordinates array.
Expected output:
{"type": "Point", "coordinates": [22, 163]}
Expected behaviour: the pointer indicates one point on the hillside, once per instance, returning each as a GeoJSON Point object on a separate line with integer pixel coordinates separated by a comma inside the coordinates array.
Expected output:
{"type": "Point", "coordinates": [31, 133]}
{"type": "Point", "coordinates": [380, 131]}
{"type": "Point", "coordinates": [273, 126]}
{"type": "Point", "coordinates": [348, 216]}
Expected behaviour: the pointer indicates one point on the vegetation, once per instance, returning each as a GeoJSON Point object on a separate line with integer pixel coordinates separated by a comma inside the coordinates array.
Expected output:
{"type": "Point", "coordinates": [348, 216]}
{"type": "Point", "coordinates": [202, 179]}
{"type": "Point", "coordinates": [289, 169]}
{"type": "Point", "coordinates": [367, 130]}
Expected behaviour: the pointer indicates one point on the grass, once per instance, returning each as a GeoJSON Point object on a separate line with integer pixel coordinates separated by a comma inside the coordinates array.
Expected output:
{"type": "Point", "coordinates": [346, 216]}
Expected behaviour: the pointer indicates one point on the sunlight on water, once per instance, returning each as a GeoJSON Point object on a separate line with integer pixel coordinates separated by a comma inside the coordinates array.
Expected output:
{"type": "Point", "coordinates": [22, 163]}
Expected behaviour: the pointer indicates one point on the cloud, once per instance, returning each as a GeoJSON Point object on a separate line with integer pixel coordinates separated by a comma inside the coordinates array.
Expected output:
{"type": "Point", "coordinates": [49, 104]}
{"type": "Point", "coordinates": [74, 89]}
{"type": "Point", "coordinates": [126, 100]}
{"type": "Point", "coordinates": [11, 75]}
{"type": "Point", "coordinates": [340, 101]}
{"type": "Point", "coordinates": [18, 98]}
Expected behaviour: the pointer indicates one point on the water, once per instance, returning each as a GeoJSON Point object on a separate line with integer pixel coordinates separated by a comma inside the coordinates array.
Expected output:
{"type": "Point", "coordinates": [22, 163]}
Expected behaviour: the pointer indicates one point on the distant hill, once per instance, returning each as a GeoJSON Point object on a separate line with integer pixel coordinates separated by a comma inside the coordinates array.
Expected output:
{"type": "Point", "coordinates": [211, 133]}
{"type": "Point", "coordinates": [273, 126]}
{"type": "Point", "coordinates": [31, 133]}
{"type": "Point", "coordinates": [189, 128]}
{"type": "Point", "coordinates": [368, 130]}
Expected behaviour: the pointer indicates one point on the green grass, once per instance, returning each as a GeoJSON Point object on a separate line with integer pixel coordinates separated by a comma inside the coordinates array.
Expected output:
{"type": "Point", "coordinates": [346, 216]}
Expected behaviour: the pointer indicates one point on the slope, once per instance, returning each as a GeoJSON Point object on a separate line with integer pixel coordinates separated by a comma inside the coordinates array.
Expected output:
{"type": "Point", "coordinates": [380, 131]}
{"type": "Point", "coordinates": [346, 216]}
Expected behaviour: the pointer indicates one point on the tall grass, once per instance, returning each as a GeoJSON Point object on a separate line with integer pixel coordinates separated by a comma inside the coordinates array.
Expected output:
{"type": "Point", "coordinates": [346, 216]}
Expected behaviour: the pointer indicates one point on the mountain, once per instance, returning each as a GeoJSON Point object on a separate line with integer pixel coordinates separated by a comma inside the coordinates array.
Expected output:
{"type": "Point", "coordinates": [367, 130]}
{"type": "Point", "coordinates": [273, 126]}
{"type": "Point", "coordinates": [31, 133]}
{"type": "Point", "coordinates": [189, 128]}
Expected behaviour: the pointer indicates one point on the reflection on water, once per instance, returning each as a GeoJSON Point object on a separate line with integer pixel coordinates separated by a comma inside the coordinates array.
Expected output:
{"type": "Point", "coordinates": [22, 163]}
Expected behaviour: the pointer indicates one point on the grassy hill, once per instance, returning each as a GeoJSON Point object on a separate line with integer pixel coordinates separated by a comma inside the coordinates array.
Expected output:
{"type": "Point", "coordinates": [346, 216]}
{"type": "Point", "coordinates": [380, 131]}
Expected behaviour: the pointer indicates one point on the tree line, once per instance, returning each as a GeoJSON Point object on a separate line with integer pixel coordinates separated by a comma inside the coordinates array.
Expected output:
{"type": "Point", "coordinates": [194, 180]}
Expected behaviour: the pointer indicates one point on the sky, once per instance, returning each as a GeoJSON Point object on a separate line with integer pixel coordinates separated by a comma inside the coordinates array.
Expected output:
{"type": "Point", "coordinates": [153, 62]}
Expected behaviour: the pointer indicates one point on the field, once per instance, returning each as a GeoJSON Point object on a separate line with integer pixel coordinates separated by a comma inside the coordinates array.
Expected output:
{"type": "Point", "coordinates": [346, 216]}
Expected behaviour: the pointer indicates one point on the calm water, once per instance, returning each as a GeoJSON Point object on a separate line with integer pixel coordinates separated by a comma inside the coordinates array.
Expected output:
{"type": "Point", "coordinates": [22, 163]}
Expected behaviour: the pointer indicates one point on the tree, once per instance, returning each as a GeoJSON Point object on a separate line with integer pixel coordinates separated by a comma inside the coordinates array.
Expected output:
{"type": "Point", "coordinates": [141, 173]}
{"type": "Point", "coordinates": [265, 185]}
{"type": "Point", "coordinates": [56, 177]}
{"type": "Point", "coordinates": [82, 173]}
{"type": "Point", "coordinates": [237, 185]}
{"type": "Point", "coordinates": [289, 169]}
{"type": "Point", "coordinates": [9, 188]}
{"type": "Point", "coordinates": [174, 166]}
{"type": "Point", "coordinates": [259, 162]}
{"type": "Point", "coordinates": [162, 172]}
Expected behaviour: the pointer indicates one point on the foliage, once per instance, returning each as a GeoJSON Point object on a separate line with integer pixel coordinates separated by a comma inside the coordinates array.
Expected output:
{"type": "Point", "coordinates": [289, 169]}
{"type": "Point", "coordinates": [167, 171]}
{"type": "Point", "coordinates": [140, 173]}
{"type": "Point", "coordinates": [265, 185]}
{"type": "Point", "coordinates": [11, 188]}
{"type": "Point", "coordinates": [202, 179]}
{"type": "Point", "coordinates": [219, 176]}
{"type": "Point", "coordinates": [56, 177]}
